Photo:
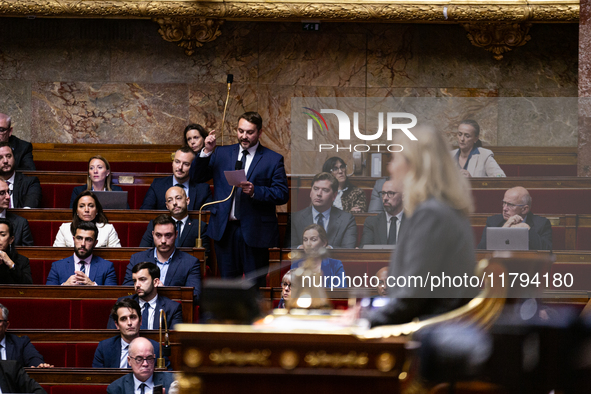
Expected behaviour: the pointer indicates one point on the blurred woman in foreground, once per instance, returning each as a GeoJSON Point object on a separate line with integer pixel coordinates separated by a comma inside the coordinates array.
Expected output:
{"type": "Point", "coordinates": [437, 236]}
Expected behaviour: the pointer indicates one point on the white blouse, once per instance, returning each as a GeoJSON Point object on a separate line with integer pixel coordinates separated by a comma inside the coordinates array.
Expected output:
{"type": "Point", "coordinates": [107, 236]}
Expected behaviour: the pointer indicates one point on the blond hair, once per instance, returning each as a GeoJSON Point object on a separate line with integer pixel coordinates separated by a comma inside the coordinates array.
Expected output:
{"type": "Point", "coordinates": [432, 172]}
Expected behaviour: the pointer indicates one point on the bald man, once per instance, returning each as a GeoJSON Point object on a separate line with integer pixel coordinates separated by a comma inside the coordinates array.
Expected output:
{"type": "Point", "coordinates": [382, 275]}
{"type": "Point", "coordinates": [22, 150]}
{"type": "Point", "coordinates": [384, 228]}
{"type": "Point", "coordinates": [517, 213]}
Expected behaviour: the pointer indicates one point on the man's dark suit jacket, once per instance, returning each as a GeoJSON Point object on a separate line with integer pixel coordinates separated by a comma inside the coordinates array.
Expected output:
{"type": "Point", "coordinates": [21, 349]}
{"type": "Point", "coordinates": [26, 191]}
{"type": "Point", "coordinates": [187, 237]}
{"type": "Point", "coordinates": [258, 218]}
{"type": "Point", "coordinates": [342, 230]}
{"type": "Point", "coordinates": [108, 353]}
{"type": "Point", "coordinates": [375, 230]}
{"type": "Point", "coordinates": [173, 310]}
{"type": "Point", "coordinates": [14, 379]}
{"type": "Point", "coordinates": [199, 194]}
{"type": "Point", "coordinates": [22, 231]}
{"type": "Point", "coordinates": [23, 154]}
{"type": "Point", "coordinates": [540, 231]}
{"type": "Point", "coordinates": [79, 189]}
{"type": "Point", "coordinates": [19, 275]}
{"type": "Point", "coordinates": [183, 270]}
{"type": "Point", "coordinates": [124, 385]}
{"type": "Point", "coordinates": [101, 271]}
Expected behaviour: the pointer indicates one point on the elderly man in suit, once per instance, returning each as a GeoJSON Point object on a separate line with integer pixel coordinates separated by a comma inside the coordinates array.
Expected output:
{"type": "Point", "coordinates": [83, 268]}
{"type": "Point", "coordinates": [142, 380]}
{"type": "Point", "coordinates": [22, 150]}
{"type": "Point", "coordinates": [339, 225]}
{"type": "Point", "coordinates": [244, 227]}
{"type": "Point", "coordinates": [146, 279]}
{"type": "Point", "coordinates": [177, 268]}
{"type": "Point", "coordinates": [113, 352]}
{"type": "Point", "coordinates": [22, 231]}
{"type": "Point", "coordinates": [26, 190]}
{"type": "Point", "coordinates": [384, 228]}
{"type": "Point", "coordinates": [199, 193]}
{"type": "Point", "coordinates": [17, 348]}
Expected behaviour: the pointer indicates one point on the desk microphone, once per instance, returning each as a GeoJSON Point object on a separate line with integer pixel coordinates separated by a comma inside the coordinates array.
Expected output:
{"type": "Point", "coordinates": [238, 165]}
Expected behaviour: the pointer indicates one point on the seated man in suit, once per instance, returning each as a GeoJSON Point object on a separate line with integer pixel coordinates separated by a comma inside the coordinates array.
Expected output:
{"type": "Point", "coordinates": [83, 268]}
{"type": "Point", "coordinates": [16, 348]}
{"type": "Point", "coordinates": [14, 379]}
{"type": "Point", "coordinates": [22, 231]}
{"type": "Point", "coordinates": [198, 193]}
{"type": "Point", "coordinates": [146, 279]}
{"type": "Point", "coordinates": [177, 203]}
{"type": "Point", "coordinates": [177, 268]}
{"type": "Point", "coordinates": [143, 378]}
{"type": "Point", "coordinates": [384, 228]}
{"type": "Point", "coordinates": [340, 226]}
{"type": "Point", "coordinates": [22, 150]}
{"type": "Point", "coordinates": [113, 352]}
{"type": "Point", "coordinates": [517, 213]}
{"type": "Point", "coordinates": [26, 190]}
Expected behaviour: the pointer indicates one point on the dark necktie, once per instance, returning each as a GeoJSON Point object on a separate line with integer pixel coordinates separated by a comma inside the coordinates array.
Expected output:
{"type": "Point", "coordinates": [320, 220]}
{"type": "Point", "coordinates": [392, 233]}
{"type": "Point", "coordinates": [178, 232]}
{"type": "Point", "coordinates": [83, 266]}
{"type": "Point", "coordinates": [238, 193]}
{"type": "Point", "coordinates": [143, 388]}
{"type": "Point", "coordinates": [145, 316]}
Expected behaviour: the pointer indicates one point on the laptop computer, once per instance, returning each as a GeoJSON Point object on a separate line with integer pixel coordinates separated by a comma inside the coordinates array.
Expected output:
{"type": "Point", "coordinates": [112, 200]}
{"type": "Point", "coordinates": [507, 238]}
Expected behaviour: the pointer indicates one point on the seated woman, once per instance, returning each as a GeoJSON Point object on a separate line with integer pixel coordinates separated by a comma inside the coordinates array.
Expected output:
{"type": "Point", "coordinates": [99, 178]}
{"type": "Point", "coordinates": [349, 198]}
{"type": "Point", "coordinates": [195, 137]}
{"type": "Point", "coordinates": [285, 289]}
{"type": "Point", "coordinates": [14, 268]}
{"type": "Point", "coordinates": [88, 208]}
{"type": "Point", "coordinates": [472, 158]}
{"type": "Point", "coordinates": [313, 240]}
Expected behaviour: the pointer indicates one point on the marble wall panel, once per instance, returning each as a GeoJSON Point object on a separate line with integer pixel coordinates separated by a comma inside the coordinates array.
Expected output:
{"type": "Point", "coordinates": [120, 113]}
{"type": "Point", "coordinates": [15, 101]}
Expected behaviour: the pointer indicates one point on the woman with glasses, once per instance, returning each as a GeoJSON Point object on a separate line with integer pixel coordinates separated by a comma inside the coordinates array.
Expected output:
{"type": "Point", "coordinates": [99, 178]}
{"type": "Point", "coordinates": [349, 198]}
{"type": "Point", "coordinates": [14, 268]}
{"type": "Point", "coordinates": [472, 159]}
{"type": "Point", "coordinates": [437, 235]}
{"type": "Point", "coordinates": [285, 289]}
{"type": "Point", "coordinates": [89, 209]}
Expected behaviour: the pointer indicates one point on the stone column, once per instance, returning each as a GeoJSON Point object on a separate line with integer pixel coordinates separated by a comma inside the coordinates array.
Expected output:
{"type": "Point", "coordinates": [584, 148]}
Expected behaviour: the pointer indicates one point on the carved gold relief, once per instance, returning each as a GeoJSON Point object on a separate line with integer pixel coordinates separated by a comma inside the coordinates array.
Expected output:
{"type": "Point", "coordinates": [337, 360]}
{"type": "Point", "coordinates": [289, 359]}
{"type": "Point", "coordinates": [227, 357]}
{"type": "Point", "coordinates": [498, 38]}
{"type": "Point", "coordinates": [190, 33]}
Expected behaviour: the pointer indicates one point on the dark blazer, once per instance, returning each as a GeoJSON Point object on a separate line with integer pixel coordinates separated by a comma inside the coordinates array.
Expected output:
{"type": "Point", "coordinates": [79, 189]}
{"type": "Point", "coordinates": [108, 353]}
{"type": "Point", "coordinates": [540, 231]}
{"type": "Point", "coordinates": [14, 379]}
{"type": "Point", "coordinates": [22, 231]}
{"type": "Point", "coordinates": [124, 385]}
{"type": "Point", "coordinates": [258, 218]}
{"type": "Point", "coordinates": [21, 349]}
{"type": "Point", "coordinates": [19, 275]}
{"type": "Point", "coordinates": [23, 154]}
{"type": "Point", "coordinates": [342, 230]}
{"type": "Point", "coordinates": [26, 191]}
{"type": "Point", "coordinates": [375, 230]}
{"type": "Point", "coordinates": [101, 271]}
{"type": "Point", "coordinates": [173, 310]}
{"type": "Point", "coordinates": [187, 238]}
{"type": "Point", "coordinates": [199, 194]}
{"type": "Point", "coordinates": [183, 270]}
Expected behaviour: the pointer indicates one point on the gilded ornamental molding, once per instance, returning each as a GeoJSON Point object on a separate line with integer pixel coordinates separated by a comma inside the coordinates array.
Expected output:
{"type": "Point", "coordinates": [498, 38]}
{"type": "Point", "coordinates": [189, 33]}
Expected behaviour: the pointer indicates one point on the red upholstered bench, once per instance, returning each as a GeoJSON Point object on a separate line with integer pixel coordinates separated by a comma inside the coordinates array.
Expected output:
{"type": "Point", "coordinates": [78, 389]}
{"type": "Point", "coordinates": [57, 354]}
{"type": "Point", "coordinates": [164, 168]}
{"type": "Point", "coordinates": [85, 354]}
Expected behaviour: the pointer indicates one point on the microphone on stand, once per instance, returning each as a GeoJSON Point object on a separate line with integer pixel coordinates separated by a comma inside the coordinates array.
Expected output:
{"type": "Point", "coordinates": [238, 165]}
{"type": "Point", "coordinates": [165, 350]}
{"type": "Point", "coordinates": [229, 81]}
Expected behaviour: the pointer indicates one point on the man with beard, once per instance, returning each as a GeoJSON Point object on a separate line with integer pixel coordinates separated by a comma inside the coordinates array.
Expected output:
{"type": "Point", "coordinates": [22, 231]}
{"type": "Point", "coordinates": [385, 228]}
{"type": "Point", "coordinates": [26, 190]}
{"type": "Point", "coordinates": [83, 268]}
{"type": "Point", "coordinates": [22, 150]}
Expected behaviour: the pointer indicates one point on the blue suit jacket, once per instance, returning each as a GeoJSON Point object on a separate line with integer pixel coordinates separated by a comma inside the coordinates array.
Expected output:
{"type": "Point", "coordinates": [22, 350]}
{"type": "Point", "coordinates": [199, 194]}
{"type": "Point", "coordinates": [187, 237]}
{"type": "Point", "coordinates": [173, 310]}
{"type": "Point", "coordinates": [79, 189]}
{"type": "Point", "coordinates": [258, 217]}
{"type": "Point", "coordinates": [108, 353]}
{"type": "Point", "coordinates": [183, 271]}
{"type": "Point", "coordinates": [101, 271]}
{"type": "Point", "coordinates": [124, 385]}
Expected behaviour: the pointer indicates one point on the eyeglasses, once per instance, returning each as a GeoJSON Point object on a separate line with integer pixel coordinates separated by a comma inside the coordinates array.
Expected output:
{"type": "Point", "coordinates": [285, 284]}
{"type": "Point", "coordinates": [4, 192]}
{"type": "Point", "coordinates": [140, 360]}
{"type": "Point", "coordinates": [337, 169]}
{"type": "Point", "coordinates": [389, 194]}
{"type": "Point", "coordinates": [4, 130]}
{"type": "Point", "coordinates": [511, 206]}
